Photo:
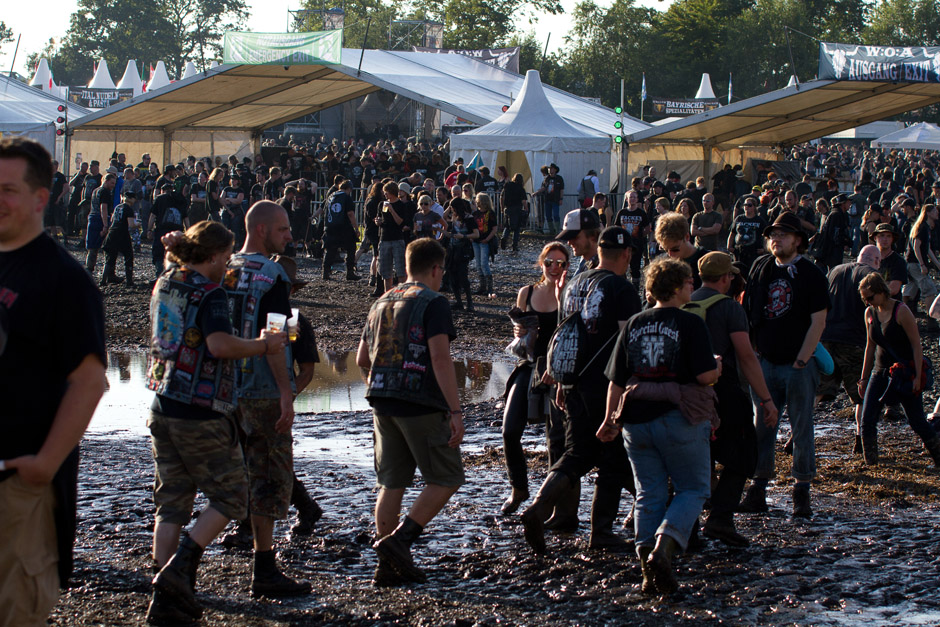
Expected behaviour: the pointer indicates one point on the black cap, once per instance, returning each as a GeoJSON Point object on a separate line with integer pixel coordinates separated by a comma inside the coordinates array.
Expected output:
{"type": "Point", "coordinates": [615, 238]}
{"type": "Point", "coordinates": [806, 197]}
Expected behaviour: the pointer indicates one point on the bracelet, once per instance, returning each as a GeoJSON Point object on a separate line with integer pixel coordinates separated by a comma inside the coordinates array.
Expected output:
{"type": "Point", "coordinates": [764, 401]}
{"type": "Point", "coordinates": [458, 412]}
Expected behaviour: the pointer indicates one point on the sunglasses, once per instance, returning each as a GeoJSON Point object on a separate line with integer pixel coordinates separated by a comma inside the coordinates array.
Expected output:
{"type": "Point", "coordinates": [561, 263]}
{"type": "Point", "coordinates": [868, 298]}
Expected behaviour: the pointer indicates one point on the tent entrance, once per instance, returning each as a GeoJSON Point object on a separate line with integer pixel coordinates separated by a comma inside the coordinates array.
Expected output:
{"type": "Point", "coordinates": [515, 161]}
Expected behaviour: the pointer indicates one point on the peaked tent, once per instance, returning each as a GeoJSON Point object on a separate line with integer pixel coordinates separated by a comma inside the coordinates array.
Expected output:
{"type": "Point", "coordinates": [102, 78]}
{"type": "Point", "coordinates": [922, 136]}
{"type": "Point", "coordinates": [31, 112]}
{"type": "Point", "coordinates": [533, 130]}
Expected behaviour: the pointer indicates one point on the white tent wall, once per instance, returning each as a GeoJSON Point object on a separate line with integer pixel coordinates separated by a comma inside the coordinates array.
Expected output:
{"type": "Point", "coordinates": [572, 165]}
{"type": "Point", "coordinates": [99, 145]}
{"type": "Point", "coordinates": [42, 133]}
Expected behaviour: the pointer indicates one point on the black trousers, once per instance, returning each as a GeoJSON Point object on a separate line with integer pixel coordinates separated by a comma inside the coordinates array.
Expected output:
{"type": "Point", "coordinates": [734, 447]}
{"type": "Point", "coordinates": [332, 243]}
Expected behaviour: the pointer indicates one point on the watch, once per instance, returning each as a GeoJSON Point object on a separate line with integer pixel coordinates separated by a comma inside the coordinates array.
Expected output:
{"type": "Point", "coordinates": [800, 363]}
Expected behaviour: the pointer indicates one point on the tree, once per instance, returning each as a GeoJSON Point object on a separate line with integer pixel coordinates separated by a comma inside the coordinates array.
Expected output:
{"type": "Point", "coordinates": [197, 28]}
{"type": "Point", "coordinates": [904, 23]}
{"type": "Point", "coordinates": [6, 33]}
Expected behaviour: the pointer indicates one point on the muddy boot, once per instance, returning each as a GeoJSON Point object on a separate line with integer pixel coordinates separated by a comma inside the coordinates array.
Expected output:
{"type": "Point", "coordinates": [725, 496]}
{"type": "Point", "coordinates": [164, 609]}
{"type": "Point", "coordinates": [512, 503]}
{"type": "Point", "coordinates": [556, 483]}
{"type": "Point", "coordinates": [604, 510]}
{"type": "Point", "coordinates": [721, 527]}
{"type": "Point", "coordinates": [385, 576]}
{"type": "Point", "coordinates": [481, 291]}
{"type": "Point", "coordinates": [801, 504]}
{"type": "Point", "coordinates": [564, 518]}
{"type": "Point", "coordinates": [308, 511]}
{"type": "Point", "coordinates": [177, 577]}
{"type": "Point", "coordinates": [755, 501]}
{"type": "Point", "coordinates": [660, 564]}
{"type": "Point", "coordinates": [870, 449]}
{"type": "Point", "coordinates": [91, 260]}
{"type": "Point", "coordinates": [352, 276]}
{"type": "Point", "coordinates": [268, 580]}
{"type": "Point", "coordinates": [857, 448]}
{"type": "Point", "coordinates": [458, 306]}
{"type": "Point", "coordinates": [489, 286]}
{"type": "Point", "coordinates": [933, 447]}
{"type": "Point", "coordinates": [372, 280]}
{"type": "Point", "coordinates": [396, 549]}
{"type": "Point", "coordinates": [469, 303]}
{"type": "Point", "coordinates": [379, 289]}
{"type": "Point", "coordinates": [647, 586]}
{"type": "Point", "coordinates": [241, 537]}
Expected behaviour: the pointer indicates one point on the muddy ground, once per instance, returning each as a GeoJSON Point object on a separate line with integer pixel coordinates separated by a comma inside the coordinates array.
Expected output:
{"type": "Point", "coordinates": [870, 554]}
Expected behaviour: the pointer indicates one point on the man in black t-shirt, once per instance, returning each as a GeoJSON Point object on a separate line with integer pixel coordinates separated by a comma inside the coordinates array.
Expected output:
{"type": "Point", "coordinates": [672, 235]}
{"type": "Point", "coordinates": [76, 187]}
{"type": "Point", "coordinates": [166, 215]}
{"type": "Point", "coordinates": [606, 301]}
{"type": "Point", "coordinates": [893, 267]}
{"type": "Point", "coordinates": [118, 241]}
{"type": "Point", "coordinates": [636, 221]}
{"type": "Point", "coordinates": [52, 364]}
{"type": "Point", "coordinates": [412, 430]}
{"type": "Point", "coordinates": [53, 218]}
{"type": "Point", "coordinates": [341, 231]}
{"type": "Point", "coordinates": [745, 237]}
{"type": "Point", "coordinates": [786, 301]}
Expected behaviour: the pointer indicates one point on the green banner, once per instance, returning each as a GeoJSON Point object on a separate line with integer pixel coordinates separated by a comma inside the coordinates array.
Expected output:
{"type": "Point", "coordinates": [283, 48]}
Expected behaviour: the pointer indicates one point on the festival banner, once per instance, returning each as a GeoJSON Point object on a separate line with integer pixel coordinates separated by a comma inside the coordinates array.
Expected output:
{"type": "Point", "coordinates": [674, 107]}
{"type": "Point", "coordinates": [283, 48]}
{"type": "Point", "coordinates": [98, 97]}
{"type": "Point", "coordinates": [905, 64]}
{"type": "Point", "coordinates": [505, 58]}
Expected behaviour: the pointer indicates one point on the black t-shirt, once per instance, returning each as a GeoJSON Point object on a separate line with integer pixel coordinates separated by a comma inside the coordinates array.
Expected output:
{"type": "Point", "coordinates": [168, 213]}
{"type": "Point", "coordinates": [437, 320]}
{"type": "Point", "coordinates": [213, 317]}
{"type": "Point", "coordinates": [200, 192]}
{"type": "Point", "coordinates": [723, 318]}
{"type": "Point", "coordinates": [274, 189]}
{"type": "Point", "coordinates": [894, 268]}
{"type": "Point", "coordinates": [101, 196]}
{"type": "Point", "coordinates": [338, 207]}
{"type": "Point", "coordinates": [232, 193]}
{"type": "Point", "coordinates": [634, 221]}
{"type": "Point", "coordinates": [692, 260]}
{"type": "Point", "coordinates": [119, 219]}
{"type": "Point", "coordinates": [391, 230]}
{"type": "Point", "coordinates": [58, 184]}
{"type": "Point", "coordinates": [844, 322]}
{"type": "Point", "coordinates": [77, 184]}
{"type": "Point", "coordinates": [785, 316]}
{"type": "Point", "coordinates": [213, 189]}
{"type": "Point", "coordinates": [614, 299]}
{"type": "Point", "coordinates": [660, 345]}
{"type": "Point", "coordinates": [748, 232]}
{"type": "Point", "coordinates": [51, 318]}
{"type": "Point", "coordinates": [922, 234]}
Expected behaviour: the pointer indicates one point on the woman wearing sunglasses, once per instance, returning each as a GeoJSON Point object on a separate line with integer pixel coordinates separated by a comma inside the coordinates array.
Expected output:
{"type": "Point", "coordinates": [528, 384]}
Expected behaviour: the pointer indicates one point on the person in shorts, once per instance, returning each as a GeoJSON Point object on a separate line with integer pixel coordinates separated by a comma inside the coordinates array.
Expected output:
{"type": "Point", "coordinates": [416, 413]}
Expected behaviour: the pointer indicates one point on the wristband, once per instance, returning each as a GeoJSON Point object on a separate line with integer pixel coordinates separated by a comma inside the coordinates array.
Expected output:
{"type": "Point", "coordinates": [764, 401]}
{"type": "Point", "coordinates": [457, 412]}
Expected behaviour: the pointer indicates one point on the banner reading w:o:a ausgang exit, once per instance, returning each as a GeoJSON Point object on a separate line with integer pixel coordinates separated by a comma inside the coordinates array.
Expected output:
{"type": "Point", "coordinates": [902, 64]}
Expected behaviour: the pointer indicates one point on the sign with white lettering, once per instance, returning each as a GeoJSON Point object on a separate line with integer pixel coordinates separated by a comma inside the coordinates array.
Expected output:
{"type": "Point", "coordinates": [892, 64]}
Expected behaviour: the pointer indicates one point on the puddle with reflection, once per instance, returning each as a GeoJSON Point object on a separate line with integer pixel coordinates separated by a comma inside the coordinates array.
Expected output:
{"type": "Point", "coordinates": [336, 387]}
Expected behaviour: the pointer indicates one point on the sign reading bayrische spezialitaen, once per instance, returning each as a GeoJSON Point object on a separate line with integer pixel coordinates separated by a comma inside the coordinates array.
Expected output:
{"type": "Point", "coordinates": [893, 64]}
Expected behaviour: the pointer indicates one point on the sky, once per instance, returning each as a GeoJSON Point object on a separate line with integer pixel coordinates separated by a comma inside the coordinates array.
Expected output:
{"type": "Point", "coordinates": [266, 16]}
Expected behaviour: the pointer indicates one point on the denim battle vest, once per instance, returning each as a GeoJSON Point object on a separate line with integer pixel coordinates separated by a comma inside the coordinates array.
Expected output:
{"type": "Point", "coordinates": [181, 366]}
{"type": "Point", "coordinates": [248, 278]}
{"type": "Point", "coordinates": [398, 348]}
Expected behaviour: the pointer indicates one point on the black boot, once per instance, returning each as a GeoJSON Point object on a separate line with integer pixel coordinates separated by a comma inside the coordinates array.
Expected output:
{"type": "Point", "coordinates": [489, 286]}
{"type": "Point", "coordinates": [933, 447]}
{"type": "Point", "coordinates": [164, 609]}
{"type": "Point", "coordinates": [176, 579]}
{"type": "Point", "coordinates": [801, 504]}
{"type": "Point", "coordinates": [481, 291]}
{"type": "Point", "coordinates": [241, 537]}
{"type": "Point", "coordinates": [396, 549]}
{"type": "Point", "coordinates": [537, 513]}
{"type": "Point", "coordinates": [564, 518]}
{"type": "Point", "coordinates": [604, 510]}
{"type": "Point", "coordinates": [379, 288]}
{"type": "Point", "coordinates": [870, 448]}
{"type": "Point", "coordinates": [385, 576]}
{"type": "Point", "coordinates": [647, 586]}
{"type": "Point", "coordinates": [373, 279]}
{"type": "Point", "coordinates": [129, 274]}
{"type": "Point", "coordinates": [308, 511]}
{"type": "Point", "coordinates": [469, 302]}
{"type": "Point", "coordinates": [351, 274]}
{"type": "Point", "coordinates": [725, 496]}
{"type": "Point", "coordinates": [267, 579]}
{"type": "Point", "coordinates": [755, 501]}
{"type": "Point", "coordinates": [660, 564]}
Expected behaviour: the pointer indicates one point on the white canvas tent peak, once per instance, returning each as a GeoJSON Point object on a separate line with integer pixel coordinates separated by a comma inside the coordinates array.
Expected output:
{"type": "Point", "coordinates": [102, 78]}
{"type": "Point", "coordinates": [158, 78]}
{"type": "Point", "coordinates": [189, 70]}
{"type": "Point", "coordinates": [922, 136]}
{"type": "Point", "coordinates": [705, 89]}
{"type": "Point", "coordinates": [43, 76]}
{"type": "Point", "coordinates": [131, 79]}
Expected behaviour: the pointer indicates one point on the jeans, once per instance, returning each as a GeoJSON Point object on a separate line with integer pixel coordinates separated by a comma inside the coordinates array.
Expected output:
{"type": "Point", "coordinates": [664, 449]}
{"type": "Point", "coordinates": [481, 254]}
{"type": "Point", "coordinates": [913, 405]}
{"type": "Point", "coordinates": [855, 223]}
{"type": "Point", "coordinates": [551, 211]}
{"type": "Point", "coordinates": [794, 389]}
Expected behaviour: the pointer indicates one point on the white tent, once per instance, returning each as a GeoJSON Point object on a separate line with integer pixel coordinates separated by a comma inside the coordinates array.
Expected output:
{"type": "Point", "coordinates": [131, 79]}
{"type": "Point", "coordinates": [102, 78]}
{"type": "Point", "coordinates": [31, 112]}
{"type": "Point", "coordinates": [531, 134]}
{"type": "Point", "coordinates": [189, 70]}
{"type": "Point", "coordinates": [158, 78]}
{"type": "Point", "coordinates": [922, 136]}
{"type": "Point", "coordinates": [43, 76]}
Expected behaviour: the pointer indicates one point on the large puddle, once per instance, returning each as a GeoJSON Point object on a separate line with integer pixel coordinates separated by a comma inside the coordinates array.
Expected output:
{"type": "Point", "coordinates": [336, 387]}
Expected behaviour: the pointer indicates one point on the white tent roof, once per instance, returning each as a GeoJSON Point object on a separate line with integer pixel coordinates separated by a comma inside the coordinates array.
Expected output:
{"type": "Point", "coordinates": [131, 79]}
{"type": "Point", "coordinates": [923, 136]}
{"type": "Point", "coordinates": [102, 78]}
{"type": "Point", "coordinates": [189, 70]}
{"type": "Point", "coordinates": [23, 107]}
{"type": "Point", "coordinates": [158, 78]}
{"type": "Point", "coordinates": [43, 76]}
{"type": "Point", "coordinates": [531, 123]}
{"type": "Point", "coordinates": [705, 89]}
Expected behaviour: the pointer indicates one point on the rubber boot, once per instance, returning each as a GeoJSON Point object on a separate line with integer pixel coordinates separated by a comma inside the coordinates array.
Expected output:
{"type": "Point", "coordinates": [176, 579]}
{"type": "Point", "coordinates": [107, 275]}
{"type": "Point", "coordinates": [308, 511]}
{"type": "Point", "coordinates": [870, 449]}
{"type": "Point", "coordinates": [604, 509]}
{"type": "Point", "coordinates": [660, 564]}
{"type": "Point", "coordinates": [725, 496]}
{"type": "Point", "coordinates": [379, 288]}
{"type": "Point", "coordinates": [647, 587]}
{"type": "Point", "coordinates": [556, 483]}
{"type": "Point", "coordinates": [801, 501]}
{"type": "Point", "coordinates": [396, 549]}
{"type": "Point", "coordinates": [268, 580]}
{"type": "Point", "coordinates": [352, 276]}
{"type": "Point", "coordinates": [385, 576]}
{"type": "Point", "coordinates": [165, 610]}
{"type": "Point", "coordinates": [565, 516]}
{"type": "Point", "coordinates": [933, 447]}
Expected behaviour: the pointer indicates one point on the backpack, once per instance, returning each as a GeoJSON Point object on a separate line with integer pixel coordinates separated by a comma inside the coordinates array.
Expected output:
{"type": "Point", "coordinates": [700, 307]}
{"type": "Point", "coordinates": [568, 355]}
{"type": "Point", "coordinates": [586, 189]}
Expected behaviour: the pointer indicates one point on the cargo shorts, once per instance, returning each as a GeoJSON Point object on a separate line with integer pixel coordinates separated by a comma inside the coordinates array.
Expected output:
{"type": "Point", "coordinates": [269, 456]}
{"type": "Point", "coordinates": [848, 361]}
{"type": "Point", "coordinates": [192, 455]}
{"type": "Point", "coordinates": [405, 443]}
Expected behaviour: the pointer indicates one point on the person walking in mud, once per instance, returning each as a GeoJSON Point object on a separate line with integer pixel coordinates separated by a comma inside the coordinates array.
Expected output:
{"type": "Point", "coordinates": [191, 423]}
{"type": "Point", "coordinates": [606, 301]}
{"type": "Point", "coordinates": [787, 297]}
{"type": "Point", "coordinates": [52, 363]}
{"type": "Point", "coordinates": [412, 388]}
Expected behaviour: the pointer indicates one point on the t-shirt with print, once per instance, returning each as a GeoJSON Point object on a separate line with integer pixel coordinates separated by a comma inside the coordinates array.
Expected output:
{"type": "Point", "coordinates": [659, 345]}
{"type": "Point", "coordinates": [634, 221]}
{"type": "Point", "coordinates": [486, 222]}
{"type": "Point", "coordinates": [748, 232]}
{"type": "Point", "coordinates": [794, 292]}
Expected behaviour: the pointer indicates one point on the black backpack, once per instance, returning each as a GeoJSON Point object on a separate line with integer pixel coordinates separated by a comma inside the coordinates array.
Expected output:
{"type": "Point", "coordinates": [568, 356]}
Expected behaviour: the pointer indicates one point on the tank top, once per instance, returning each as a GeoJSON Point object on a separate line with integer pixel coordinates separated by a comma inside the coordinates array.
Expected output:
{"type": "Point", "coordinates": [889, 336]}
{"type": "Point", "coordinates": [548, 320]}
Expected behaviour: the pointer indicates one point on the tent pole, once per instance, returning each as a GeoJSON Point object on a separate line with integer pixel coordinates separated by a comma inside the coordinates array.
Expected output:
{"type": "Point", "coordinates": [167, 145]}
{"type": "Point", "coordinates": [706, 162]}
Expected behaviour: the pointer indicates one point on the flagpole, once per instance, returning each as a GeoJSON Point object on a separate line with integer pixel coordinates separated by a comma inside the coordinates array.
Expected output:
{"type": "Point", "coordinates": [642, 96]}
{"type": "Point", "coordinates": [729, 87]}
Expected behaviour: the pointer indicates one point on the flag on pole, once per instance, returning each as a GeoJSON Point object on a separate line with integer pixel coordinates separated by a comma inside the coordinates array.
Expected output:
{"type": "Point", "coordinates": [729, 87]}
{"type": "Point", "coordinates": [643, 89]}
{"type": "Point", "coordinates": [476, 163]}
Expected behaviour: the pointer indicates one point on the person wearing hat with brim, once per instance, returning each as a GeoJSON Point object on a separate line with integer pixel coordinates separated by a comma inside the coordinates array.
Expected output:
{"type": "Point", "coordinates": [735, 441]}
{"type": "Point", "coordinates": [580, 231]}
{"type": "Point", "coordinates": [834, 236]}
{"type": "Point", "coordinates": [786, 300]}
{"type": "Point", "coordinates": [118, 240]}
{"type": "Point", "coordinates": [613, 301]}
{"type": "Point", "coordinates": [893, 267]}
{"type": "Point", "coordinates": [552, 193]}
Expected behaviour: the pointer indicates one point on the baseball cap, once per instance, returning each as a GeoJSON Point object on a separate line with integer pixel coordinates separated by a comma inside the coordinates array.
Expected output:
{"type": "Point", "coordinates": [616, 238]}
{"type": "Point", "coordinates": [716, 264]}
{"type": "Point", "coordinates": [577, 220]}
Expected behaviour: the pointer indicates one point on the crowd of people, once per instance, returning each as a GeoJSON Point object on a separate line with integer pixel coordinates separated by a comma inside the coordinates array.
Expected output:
{"type": "Point", "coordinates": [653, 361]}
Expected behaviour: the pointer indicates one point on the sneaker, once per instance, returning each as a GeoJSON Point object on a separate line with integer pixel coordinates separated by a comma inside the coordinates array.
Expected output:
{"type": "Point", "coordinates": [801, 506]}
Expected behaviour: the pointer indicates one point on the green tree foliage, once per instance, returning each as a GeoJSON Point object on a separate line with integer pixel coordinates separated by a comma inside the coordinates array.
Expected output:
{"type": "Point", "coordinates": [6, 33]}
{"type": "Point", "coordinates": [904, 23]}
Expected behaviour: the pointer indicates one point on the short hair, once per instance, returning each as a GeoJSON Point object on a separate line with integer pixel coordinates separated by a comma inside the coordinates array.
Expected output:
{"type": "Point", "coordinates": [275, 170]}
{"type": "Point", "coordinates": [339, 178]}
{"type": "Point", "coordinates": [345, 184]}
{"type": "Point", "coordinates": [599, 195]}
{"type": "Point", "coordinates": [672, 227]}
{"type": "Point", "coordinates": [423, 254]}
{"type": "Point", "coordinates": [665, 276]}
{"type": "Point", "coordinates": [874, 283]}
{"type": "Point", "coordinates": [38, 162]}
{"type": "Point", "coordinates": [518, 178]}
{"type": "Point", "coordinates": [391, 188]}
{"type": "Point", "coordinates": [110, 176]}
{"type": "Point", "coordinates": [201, 241]}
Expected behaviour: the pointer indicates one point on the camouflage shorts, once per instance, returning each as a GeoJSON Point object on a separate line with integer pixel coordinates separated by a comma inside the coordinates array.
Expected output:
{"type": "Point", "coordinates": [848, 370]}
{"type": "Point", "coordinates": [269, 456]}
{"type": "Point", "coordinates": [195, 455]}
